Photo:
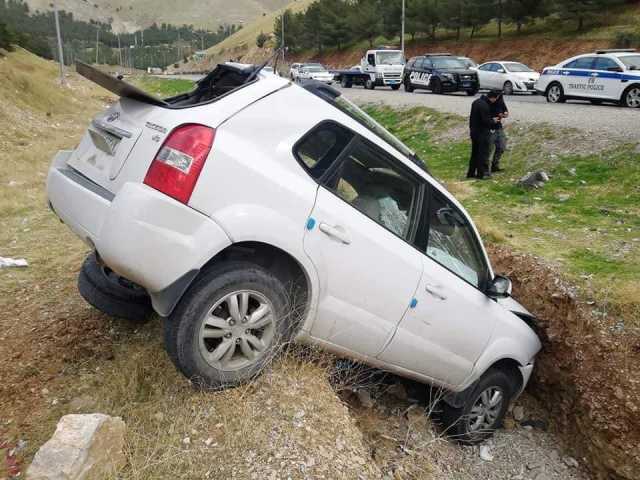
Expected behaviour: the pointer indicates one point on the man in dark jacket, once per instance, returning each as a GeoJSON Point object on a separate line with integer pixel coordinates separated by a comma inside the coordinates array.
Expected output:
{"type": "Point", "coordinates": [498, 139]}
{"type": "Point", "coordinates": [480, 125]}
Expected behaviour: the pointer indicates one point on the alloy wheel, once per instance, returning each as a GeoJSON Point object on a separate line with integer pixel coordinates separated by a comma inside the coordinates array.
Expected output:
{"type": "Point", "coordinates": [237, 331]}
{"type": "Point", "coordinates": [554, 94]}
{"type": "Point", "coordinates": [485, 411]}
{"type": "Point", "coordinates": [633, 98]}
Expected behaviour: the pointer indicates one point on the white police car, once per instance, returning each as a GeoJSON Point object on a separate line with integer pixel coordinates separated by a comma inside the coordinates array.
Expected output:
{"type": "Point", "coordinates": [603, 76]}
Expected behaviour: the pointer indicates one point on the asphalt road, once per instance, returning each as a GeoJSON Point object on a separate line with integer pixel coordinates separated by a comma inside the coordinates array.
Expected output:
{"type": "Point", "coordinates": [610, 120]}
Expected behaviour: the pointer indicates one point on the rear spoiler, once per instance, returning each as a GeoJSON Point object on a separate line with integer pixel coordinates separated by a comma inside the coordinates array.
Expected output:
{"type": "Point", "coordinates": [117, 86]}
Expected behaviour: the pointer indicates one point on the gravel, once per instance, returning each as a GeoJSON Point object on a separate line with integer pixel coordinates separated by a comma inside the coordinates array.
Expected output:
{"type": "Point", "coordinates": [611, 120]}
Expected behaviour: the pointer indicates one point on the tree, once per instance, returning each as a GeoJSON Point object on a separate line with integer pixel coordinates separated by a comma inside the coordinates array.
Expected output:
{"type": "Point", "coordinates": [365, 20]}
{"type": "Point", "coordinates": [261, 39]}
{"type": "Point", "coordinates": [7, 37]}
{"type": "Point", "coordinates": [522, 12]}
{"type": "Point", "coordinates": [582, 10]}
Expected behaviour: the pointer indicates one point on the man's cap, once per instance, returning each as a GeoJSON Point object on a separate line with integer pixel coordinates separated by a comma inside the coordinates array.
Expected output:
{"type": "Point", "coordinates": [494, 93]}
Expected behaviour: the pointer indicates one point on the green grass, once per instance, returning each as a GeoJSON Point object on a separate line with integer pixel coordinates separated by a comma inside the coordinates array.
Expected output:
{"type": "Point", "coordinates": [163, 87]}
{"type": "Point", "coordinates": [586, 219]}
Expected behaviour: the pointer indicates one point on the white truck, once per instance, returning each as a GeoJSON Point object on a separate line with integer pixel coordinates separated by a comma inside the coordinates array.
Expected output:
{"type": "Point", "coordinates": [378, 68]}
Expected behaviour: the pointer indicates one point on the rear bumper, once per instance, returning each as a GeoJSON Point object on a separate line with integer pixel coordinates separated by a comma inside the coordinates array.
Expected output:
{"type": "Point", "coordinates": [140, 233]}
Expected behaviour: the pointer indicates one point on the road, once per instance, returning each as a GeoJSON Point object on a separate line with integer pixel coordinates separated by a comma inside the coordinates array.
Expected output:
{"type": "Point", "coordinates": [610, 120]}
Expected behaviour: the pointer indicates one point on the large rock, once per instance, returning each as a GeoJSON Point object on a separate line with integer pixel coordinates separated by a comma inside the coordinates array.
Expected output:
{"type": "Point", "coordinates": [534, 179]}
{"type": "Point", "coordinates": [82, 447]}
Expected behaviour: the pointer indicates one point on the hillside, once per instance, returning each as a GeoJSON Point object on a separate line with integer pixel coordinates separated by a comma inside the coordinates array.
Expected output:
{"type": "Point", "coordinates": [128, 16]}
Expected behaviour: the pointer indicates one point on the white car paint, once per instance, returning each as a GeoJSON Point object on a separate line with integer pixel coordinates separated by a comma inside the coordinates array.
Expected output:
{"type": "Point", "coordinates": [497, 75]}
{"type": "Point", "coordinates": [373, 296]}
{"type": "Point", "coordinates": [607, 75]}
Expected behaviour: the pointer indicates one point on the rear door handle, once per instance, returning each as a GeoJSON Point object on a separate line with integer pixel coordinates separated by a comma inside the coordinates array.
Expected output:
{"type": "Point", "coordinates": [434, 291]}
{"type": "Point", "coordinates": [335, 232]}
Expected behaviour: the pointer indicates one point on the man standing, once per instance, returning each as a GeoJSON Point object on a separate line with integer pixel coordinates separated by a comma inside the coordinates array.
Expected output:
{"type": "Point", "coordinates": [480, 125]}
{"type": "Point", "coordinates": [498, 137]}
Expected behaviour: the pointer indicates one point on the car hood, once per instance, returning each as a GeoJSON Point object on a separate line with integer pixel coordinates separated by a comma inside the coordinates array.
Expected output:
{"type": "Point", "coordinates": [460, 71]}
{"type": "Point", "coordinates": [514, 306]}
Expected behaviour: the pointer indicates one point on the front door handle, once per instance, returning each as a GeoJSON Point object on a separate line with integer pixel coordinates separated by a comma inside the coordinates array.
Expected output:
{"type": "Point", "coordinates": [335, 232]}
{"type": "Point", "coordinates": [433, 290]}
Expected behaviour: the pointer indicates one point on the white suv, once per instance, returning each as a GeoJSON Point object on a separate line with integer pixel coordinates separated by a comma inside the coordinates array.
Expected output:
{"type": "Point", "coordinates": [253, 211]}
{"type": "Point", "coordinates": [603, 76]}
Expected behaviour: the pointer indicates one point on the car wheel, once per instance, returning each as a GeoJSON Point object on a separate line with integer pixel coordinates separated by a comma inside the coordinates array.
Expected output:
{"type": "Point", "coordinates": [112, 294]}
{"type": "Point", "coordinates": [345, 82]}
{"type": "Point", "coordinates": [229, 325]}
{"type": "Point", "coordinates": [369, 85]}
{"type": "Point", "coordinates": [483, 411]}
{"type": "Point", "coordinates": [555, 93]}
{"type": "Point", "coordinates": [436, 87]}
{"type": "Point", "coordinates": [507, 89]}
{"type": "Point", "coordinates": [408, 87]}
{"type": "Point", "coordinates": [631, 97]}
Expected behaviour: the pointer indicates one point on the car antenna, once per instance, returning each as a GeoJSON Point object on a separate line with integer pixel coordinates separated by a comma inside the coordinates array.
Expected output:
{"type": "Point", "coordinates": [261, 66]}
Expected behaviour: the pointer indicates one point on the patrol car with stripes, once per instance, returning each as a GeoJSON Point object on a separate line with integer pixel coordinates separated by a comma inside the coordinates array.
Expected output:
{"type": "Point", "coordinates": [611, 76]}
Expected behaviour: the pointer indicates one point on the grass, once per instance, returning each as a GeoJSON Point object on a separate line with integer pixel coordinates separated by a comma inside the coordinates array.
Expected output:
{"type": "Point", "coordinates": [163, 87]}
{"type": "Point", "coordinates": [586, 219]}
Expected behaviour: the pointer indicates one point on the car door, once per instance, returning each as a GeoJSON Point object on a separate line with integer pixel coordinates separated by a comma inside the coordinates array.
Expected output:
{"type": "Point", "coordinates": [357, 238]}
{"type": "Point", "coordinates": [418, 76]}
{"type": "Point", "coordinates": [576, 75]}
{"type": "Point", "coordinates": [485, 76]}
{"type": "Point", "coordinates": [452, 320]}
{"type": "Point", "coordinates": [607, 81]}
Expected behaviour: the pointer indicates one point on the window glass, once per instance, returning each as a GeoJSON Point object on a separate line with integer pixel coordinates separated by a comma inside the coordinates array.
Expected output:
{"type": "Point", "coordinates": [517, 67]}
{"type": "Point", "coordinates": [447, 62]}
{"type": "Point", "coordinates": [319, 149]}
{"type": "Point", "coordinates": [419, 63]}
{"type": "Point", "coordinates": [452, 242]}
{"type": "Point", "coordinates": [367, 180]}
{"type": "Point", "coordinates": [584, 62]}
{"type": "Point", "coordinates": [631, 61]}
{"type": "Point", "coordinates": [603, 63]}
{"type": "Point", "coordinates": [486, 67]}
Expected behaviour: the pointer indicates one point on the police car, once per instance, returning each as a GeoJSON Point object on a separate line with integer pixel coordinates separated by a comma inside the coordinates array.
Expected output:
{"type": "Point", "coordinates": [602, 76]}
{"type": "Point", "coordinates": [440, 73]}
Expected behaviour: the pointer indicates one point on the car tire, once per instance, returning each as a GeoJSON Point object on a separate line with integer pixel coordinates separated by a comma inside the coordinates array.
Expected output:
{"type": "Point", "coordinates": [204, 322]}
{"type": "Point", "coordinates": [507, 88]}
{"type": "Point", "coordinates": [408, 87]}
{"type": "Point", "coordinates": [555, 93]}
{"type": "Point", "coordinates": [345, 82]}
{"type": "Point", "coordinates": [395, 87]}
{"type": "Point", "coordinates": [436, 86]}
{"type": "Point", "coordinates": [631, 97]}
{"type": "Point", "coordinates": [369, 85]}
{"type": "Point", "coordinates": [483, 411]}
{"type": "Point", "coordinates": [112, 294]}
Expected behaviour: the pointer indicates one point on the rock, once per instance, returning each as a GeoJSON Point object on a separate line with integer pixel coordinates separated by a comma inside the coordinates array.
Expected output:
{"type": "Point", "coordinates": [365, 398]}
{"type": "Point", "coordinates": [539, 424]}
{"type": "Point", "coordinates": [509, 424]}
{"type": "Point", "coordinates": [186, 441]}
{"type": "Point", "coordinates": [534, 179]}
{"type": "Point", "coordinates": [82, 447]}
{"type": "Point", "coordinates": [485, 453]}
{"type": "Point", "coordinates": [518, 413]}
{"type": "Point", "coordinates": [563, 197]}
{"type": "Point", "coordinates": [571, 462]}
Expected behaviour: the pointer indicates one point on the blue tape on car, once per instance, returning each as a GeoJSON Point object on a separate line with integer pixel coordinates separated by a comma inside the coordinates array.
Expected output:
{"type": "Point", "coordinates": [414, 303]}
{"type": "Point", "coordinates": [311, 223]}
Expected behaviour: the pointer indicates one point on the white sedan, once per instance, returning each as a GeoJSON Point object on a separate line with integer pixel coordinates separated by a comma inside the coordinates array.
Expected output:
{"type": "Point", "coordinates": [315, 72]}
{"type": "Point", "coordinates": [510, 77]}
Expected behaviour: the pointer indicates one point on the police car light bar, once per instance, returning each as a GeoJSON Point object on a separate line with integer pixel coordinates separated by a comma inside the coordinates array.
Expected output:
{"type": "Point", "coordinates": [616, 50]}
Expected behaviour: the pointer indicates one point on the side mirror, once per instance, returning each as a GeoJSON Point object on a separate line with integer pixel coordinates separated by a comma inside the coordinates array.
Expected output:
{"type": "Point", "coordinates": [500, 287]}
{"type": "Point", "coordinates": [501, 70]}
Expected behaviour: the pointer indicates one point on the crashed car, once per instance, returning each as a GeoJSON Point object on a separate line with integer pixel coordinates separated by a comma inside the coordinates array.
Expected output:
{"type": "Point", "coordinates": [253, 211]}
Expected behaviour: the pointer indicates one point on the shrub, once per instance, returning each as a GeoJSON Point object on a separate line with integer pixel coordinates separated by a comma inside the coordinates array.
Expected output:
{"type": "Point", "coordinates": [261, 39]}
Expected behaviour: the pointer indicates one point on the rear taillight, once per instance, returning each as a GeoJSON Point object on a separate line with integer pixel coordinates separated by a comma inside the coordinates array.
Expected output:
{"type": "Point", "coordinates": [178, 163]}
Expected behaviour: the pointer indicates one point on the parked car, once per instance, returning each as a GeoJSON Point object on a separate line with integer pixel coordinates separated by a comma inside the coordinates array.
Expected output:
{"type": "Point", "coordinates": [510, 77]}
{"type": "Point", "coordinates": [603, 76]}
{"type": "Point", "coordinates": [315, 72]}
{"type": "Point", "coordinates": [440, 73]}
{"type": "Point", "coordinates": [250, 212]}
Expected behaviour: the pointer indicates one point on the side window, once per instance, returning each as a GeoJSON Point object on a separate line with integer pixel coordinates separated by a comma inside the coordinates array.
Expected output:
{"type": "Point", "coordinates": [368, 181]}
{"type": "Point", "coordinates": [371, 59]}
{"type": "Point", "coordinates": [486, 68]}
{"type": "Point", "coordinates": [419, 64]}
{"type": "Point", "coordinates": [584, 63]}
{"type": "Point", "coordinates": [427, 63]}
{"type": "Point", "coordinates": [452, 241]}
{"type": "Point", "coordinates": [317, 150]}
{"type": "Point", "coordinates": [603, 63]}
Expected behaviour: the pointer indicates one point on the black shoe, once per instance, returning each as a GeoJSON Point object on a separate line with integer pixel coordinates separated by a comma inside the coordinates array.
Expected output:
{"type": "Point", "coordinates": [486, 176]}
{"type": "Point", "coordinates": [497, 169]}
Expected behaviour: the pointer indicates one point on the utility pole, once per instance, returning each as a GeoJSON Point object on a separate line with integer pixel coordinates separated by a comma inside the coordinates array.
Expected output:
{"type": "Point", "coordinates": [119, 50]}
{"type": "Point", "coordinates": [97, 43]}
{"type": "Point", "coordinates": [282, 46]}
{"type": "Point", "coordinates": [60, 53]}
{"type": "Point", "coordinates": [402, 34]}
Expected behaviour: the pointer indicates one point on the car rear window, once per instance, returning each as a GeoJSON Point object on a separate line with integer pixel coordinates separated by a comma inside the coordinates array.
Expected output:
{"type": "Point", "coordinates": [317, 150]}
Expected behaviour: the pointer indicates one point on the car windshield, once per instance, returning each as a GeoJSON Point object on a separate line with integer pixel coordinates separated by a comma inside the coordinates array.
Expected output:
{"type": "Point", "coordinates": [314, 68]}
{"type": "Point", "coordinates": [364, 119]}
{"type": "Point", "coordinates": [517, 67]}
{"type": "Point", "coordinates": [631, 61]}
{"type": "Point", "coordinates": [468, 62]}
{"type": "Point", "coordinates": [448, 62]}
{"type": "Point", "coordinates": [390, 58]}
